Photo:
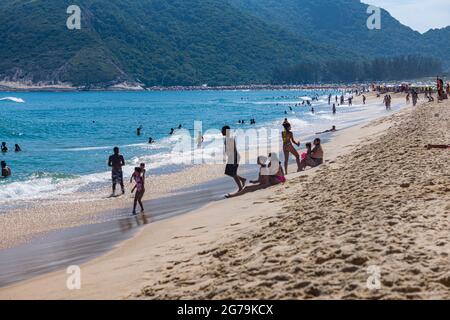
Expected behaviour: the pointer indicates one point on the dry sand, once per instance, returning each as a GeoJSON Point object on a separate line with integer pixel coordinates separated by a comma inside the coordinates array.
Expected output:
{"type": "Point", "coordinates": [380, 200]}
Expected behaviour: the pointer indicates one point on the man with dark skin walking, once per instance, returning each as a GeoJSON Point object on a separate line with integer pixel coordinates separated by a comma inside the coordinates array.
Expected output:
{"type": "Point", "coordinates": [116, 162]}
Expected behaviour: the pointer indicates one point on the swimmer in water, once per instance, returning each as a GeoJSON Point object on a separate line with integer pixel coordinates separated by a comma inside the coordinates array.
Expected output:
{"type": "Point", "coordinates": [150, 140]}
{"type": "Point", "coordinates": [4, 147]}
{"type": "Point", "coordinates": [138, 130]}
{"type": "Point", "coordinates": [17, 148]}
{"type": "Point", "coordinates": [6, 171]}
{"type": "Point", "coordinates": [172, 130]}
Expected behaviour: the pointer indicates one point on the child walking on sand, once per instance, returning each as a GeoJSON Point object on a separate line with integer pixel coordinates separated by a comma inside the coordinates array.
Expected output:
{"type": "Point", "coordinates": [139, 179]}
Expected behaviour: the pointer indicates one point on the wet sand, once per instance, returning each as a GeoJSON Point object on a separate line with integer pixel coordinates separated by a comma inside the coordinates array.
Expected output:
{"type": "Point", "coordinates": [73, 246]}
{"type": "Point", "coordinates": [301, 240]}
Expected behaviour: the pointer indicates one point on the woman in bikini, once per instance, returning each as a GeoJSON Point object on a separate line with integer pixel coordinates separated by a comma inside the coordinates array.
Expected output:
{"type": "Point", "coordinates": [140, 189]}
{"type": "Point", "coordinates": [288, 141]}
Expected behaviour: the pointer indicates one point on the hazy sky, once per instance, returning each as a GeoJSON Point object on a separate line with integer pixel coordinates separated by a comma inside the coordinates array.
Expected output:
{"type": "Point", "coordinates": [420, 15]}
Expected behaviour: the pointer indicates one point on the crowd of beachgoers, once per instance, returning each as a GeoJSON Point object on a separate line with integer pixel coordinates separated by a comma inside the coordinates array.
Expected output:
{"type": "Point", "coordinates": [271, 170]}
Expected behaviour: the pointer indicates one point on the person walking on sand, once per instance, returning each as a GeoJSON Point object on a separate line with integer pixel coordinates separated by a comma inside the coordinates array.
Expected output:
{"type": "Point", "coordinates": [139, 178]}
{"type": "Point", "coordinates": [116, 162]}
{"type": "Point", "coordinates": [6, 171]}
{"type": "Point", "coordinates": [288, 148]}
{"type": "Point", "coordinates": [364, 99]}
{"type": "Point", "coordinates": [233, 158]}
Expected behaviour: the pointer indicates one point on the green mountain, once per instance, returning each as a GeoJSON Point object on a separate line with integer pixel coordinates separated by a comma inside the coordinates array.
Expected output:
{"type": "Point", "coordinates": [343, 25]}
{"type": "Point", "coordinates": [191, 42]}
{"type": "Point", "coordinates": [156, 42]}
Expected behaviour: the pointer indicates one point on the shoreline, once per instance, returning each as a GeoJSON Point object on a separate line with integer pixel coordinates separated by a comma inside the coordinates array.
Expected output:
{"type": "Point", "coordinates": [18, 87]}
{"type": "Point", "coordinates": [154, 238]}
{"type": "Point", "coordinates": [28, 220]}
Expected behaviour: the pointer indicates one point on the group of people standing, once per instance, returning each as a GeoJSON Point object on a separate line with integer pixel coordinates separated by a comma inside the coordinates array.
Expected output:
{"type": "Point", "coordinates": [387, 101]}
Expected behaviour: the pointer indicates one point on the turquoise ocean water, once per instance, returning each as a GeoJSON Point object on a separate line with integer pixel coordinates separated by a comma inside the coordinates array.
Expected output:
{"type": "Point", "coordinates": [66, 137]}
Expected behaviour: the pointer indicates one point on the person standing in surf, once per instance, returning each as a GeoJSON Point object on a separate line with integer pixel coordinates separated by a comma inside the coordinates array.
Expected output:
{"type": "Point", "coordinates": [116, 162]}
{"type": "Point", "coordinates": [233, 158]}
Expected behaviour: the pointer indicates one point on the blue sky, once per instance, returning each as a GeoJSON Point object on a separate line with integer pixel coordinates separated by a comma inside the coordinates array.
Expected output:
{"type": "Point", "coordinates": [420, 15]}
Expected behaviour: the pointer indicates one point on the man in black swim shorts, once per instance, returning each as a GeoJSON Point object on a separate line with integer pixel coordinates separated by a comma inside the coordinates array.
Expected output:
{"type": "Point", "coordinates": [116, 162]}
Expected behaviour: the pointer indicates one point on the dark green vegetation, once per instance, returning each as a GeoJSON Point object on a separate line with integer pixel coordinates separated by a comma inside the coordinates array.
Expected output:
{"type": "Point", "coordinates": [191, 42]}
{"type": "Point", "coordinates": [386, 68]}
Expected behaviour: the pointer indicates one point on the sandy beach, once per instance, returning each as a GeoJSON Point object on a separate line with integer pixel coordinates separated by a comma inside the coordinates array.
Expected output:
{"type": "Point", "coordinates": [380, 200]}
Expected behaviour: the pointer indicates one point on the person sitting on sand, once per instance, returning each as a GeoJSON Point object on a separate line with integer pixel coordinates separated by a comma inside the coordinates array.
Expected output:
{"type": "Point", "coordinates": [275, 170]}
{"type": "Point", "coordinates": [263, 181]}
{"type": "Point", "coordinates": [288, 148]}
{"type": "Point", "coordinates": [4, 147]}
{"type": "Point", "coordinates": [333, 129]}
{"type": "Point", "coordinates": [6, 171]}
{"type": "Point", "coordinates": [314, 158]}
{"type": "Point", "coordinates": [437, 146]}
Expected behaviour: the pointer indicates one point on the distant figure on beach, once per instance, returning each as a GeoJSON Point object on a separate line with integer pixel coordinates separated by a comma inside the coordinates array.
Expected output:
{"type": "Point", "coordinates": [150, 140]}
{"type": "Point", "coordinates": [408, 98]}
{"type": "Point", "coordinates": [333, 129]}
{"type": "Point", "coordinates": [350, 101]}
{"type": "Point", "coordinates": [415, 97]}
{"type": "Point", "coordinates": [288, 148]}
{"type": "Point", "coordinates": [334, 109]}
{"type": "Point", "coordinates": [139, 179]}
{"type": "Point", "coordinates": [6, 171]}
{"type": "Point", "coordinates": [314, 158]}
{"type": "Point", "coordinates": [233, 158]}
{"type": "Point", "coordinates": [180, 126]}
{"type": "Point", "coordinates": [285, 122]}
{"type": "Point", "coordinates": [364, 99]}
{"type": "Point", "coordinates": [116, 162]}
{"type": "Point", "coordinates": [336, 99]}
{"type": "Point", "coordinates": [312, 110]}
{"type": "Point", "coordinates": [172, 130]}
{"type": "Point", "coordinates": [329, 99]}
{"type": "Point", "coordinates": [342, 99]}
{"type": "Point", "coordinates": [17, 148]}
{"type": "Point", "coordinates": [138, 131]}
{"type": "Point", "coordinates": [4, 147]}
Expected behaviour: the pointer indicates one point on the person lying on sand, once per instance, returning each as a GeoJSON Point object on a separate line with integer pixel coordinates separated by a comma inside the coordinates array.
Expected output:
{"type": "Point", "coordinates": [314, 158]}
{"type": "Point", "coordinates": [275, 170]}
{"type": "Point", "coordinates": [265, 179]}
{"type": "Point", "coordinates": [437, 146]}
{"type": "Point", "coordinates": [333, 129]}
